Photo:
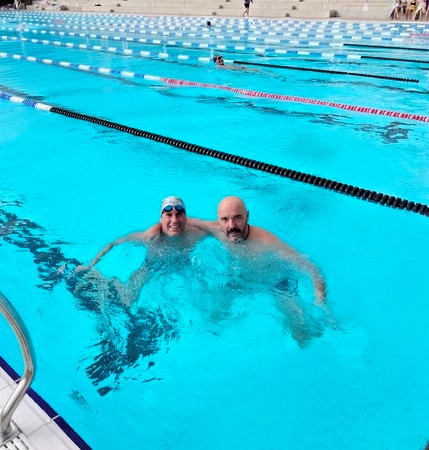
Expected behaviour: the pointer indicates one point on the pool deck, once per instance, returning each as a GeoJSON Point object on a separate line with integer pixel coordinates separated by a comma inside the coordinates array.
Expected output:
{"type": "Point", "coordinates": [41, 427]}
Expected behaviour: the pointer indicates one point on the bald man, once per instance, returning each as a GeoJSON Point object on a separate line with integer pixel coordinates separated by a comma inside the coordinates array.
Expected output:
{"type": "Point", "coordinates": [233, 228]}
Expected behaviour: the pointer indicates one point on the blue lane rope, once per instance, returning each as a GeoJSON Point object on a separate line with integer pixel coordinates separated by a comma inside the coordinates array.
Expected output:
{"type": "Point", "coordinates": [279, 24]}
{"type": "Point", "coordinates": [115, 50]}
{"type": "Point", "coordinates": [332, 185]}
{"type": "Point", "coordinates": [238, 21]}
{"type": "Point", "coordinates": [233, 34]}
{"type": "Point", "coordinates": [364, 34]}
{"type": "Point", "coordinates": [166, 35]}
{"type": "Point", "coordinates": [217, 47]}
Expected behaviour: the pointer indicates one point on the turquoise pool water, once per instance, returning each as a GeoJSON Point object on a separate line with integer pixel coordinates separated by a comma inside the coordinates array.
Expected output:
{"type": "Point", "coordinates": [216, 376]}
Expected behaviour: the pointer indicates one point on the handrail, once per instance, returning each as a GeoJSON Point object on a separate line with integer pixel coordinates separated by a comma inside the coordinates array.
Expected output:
{"type": "Point", "coordinates": [7, 429]}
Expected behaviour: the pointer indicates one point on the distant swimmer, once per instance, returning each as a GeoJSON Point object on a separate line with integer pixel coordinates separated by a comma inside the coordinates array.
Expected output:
{"type": "Point", "coordinates": [218, 60]}
{"type": "Point", "coordinates": [220, 63]}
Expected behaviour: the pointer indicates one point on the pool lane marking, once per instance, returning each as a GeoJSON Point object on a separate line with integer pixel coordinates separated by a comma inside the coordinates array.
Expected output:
{"type": "Point", "coordinates": [335, 72]}
{"type": "Point", "coordinates": [389, 47]}
{"type": "Point", "coordinates": [312, 37]}
{"type": "Point", "coordinates": [164, 36]}
{"type": "Point", "coordinates": [300, 31]}
{"type": "Point", "coordinates": [218, 47]}
{"type": "Point", "coordinates": [115, 50]}
{"type": "Point", "coordinates": [190, 58]}
{"type": "Point", "coordinates": [310, 43]}
{"type": "Point", "coordinates": [271, 41]}
{"type": "Point", "coordinates": [244, 92]}
{"type": "Point", "coordinates": [332, 185]}
{"type": "Point", "coordinates": [260, 23]}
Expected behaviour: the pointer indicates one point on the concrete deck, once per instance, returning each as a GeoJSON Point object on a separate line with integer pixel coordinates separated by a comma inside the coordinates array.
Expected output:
{"type": "Point", "coordinates": [295, 9]}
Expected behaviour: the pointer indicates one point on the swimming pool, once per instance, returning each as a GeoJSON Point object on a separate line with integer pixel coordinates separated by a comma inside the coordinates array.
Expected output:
{"type": "Point", "coordinates": [213, 378]}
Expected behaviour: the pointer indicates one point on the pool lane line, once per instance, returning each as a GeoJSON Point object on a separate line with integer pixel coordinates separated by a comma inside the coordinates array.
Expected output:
{"type": "Point", "coordinates": [299, 30]}
{"type": "Point", "coordinates": [261, 31]}
{"type": "Point", "coordinates": [384, 58]}
{"type": "Point", "coordinates": [162, 55]}
{"type": "Point", "coordinates": [325, 183]}
{"type": "Point", "coordinates": [295, 99]}
{"type": "Point", "coordinates": [217, 47]}
{"type": "Point", "coordinates": [337, 72]}
{"type": "Point", "coordinates": [267, 40]}
{"type": "Point", "coordinates": [84, 67]}
{"type": "Point", "coordinates": [259, 22]}
{"type": "Point", "coordinates": [246, 92]}
{"type": "Point", "coordinates": [129, 52]}
{"type": "Point", "coordinates": [164, 36]}
{"type": "Point", "coordinates": [299, 33]}
{"type": "Point", "coordinates": [414, 49]}
{"type": "Point", "coordinates": [115, 50]}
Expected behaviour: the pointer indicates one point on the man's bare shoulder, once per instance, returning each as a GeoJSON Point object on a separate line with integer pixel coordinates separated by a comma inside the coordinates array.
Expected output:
{"type": "Point", "coordinates": [258, 234]}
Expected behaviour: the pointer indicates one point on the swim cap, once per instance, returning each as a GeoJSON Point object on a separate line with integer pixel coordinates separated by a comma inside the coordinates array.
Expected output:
{"type": "Point", "coordinates": [172, 201]}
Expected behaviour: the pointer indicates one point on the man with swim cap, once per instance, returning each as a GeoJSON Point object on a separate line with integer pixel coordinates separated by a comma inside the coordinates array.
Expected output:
{"type": "Point", "coordinates": [172, 233]}
{"type": "Point", "coordinates": [167, 251]}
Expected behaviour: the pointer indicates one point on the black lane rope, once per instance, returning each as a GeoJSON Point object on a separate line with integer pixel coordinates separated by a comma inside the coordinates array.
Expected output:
{"type": "Point", "coordinates": [332, 185]}
{"type": "Point", "coordinates": [390, 47]}
{"type": "Point", "coordinates": [383, 58]}
{"type": "Point", "coordinates": [338, 72]}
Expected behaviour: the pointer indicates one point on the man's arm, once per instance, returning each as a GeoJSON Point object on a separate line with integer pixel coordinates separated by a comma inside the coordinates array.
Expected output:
{"type": "Point", "coordinates": [261, 235]}
{"type": "Point", "coordinates": [138, 236]}
{"type": "Point", "coordinates": [207, 226]}
{"type": "Point", "coordinates": [303, 263]}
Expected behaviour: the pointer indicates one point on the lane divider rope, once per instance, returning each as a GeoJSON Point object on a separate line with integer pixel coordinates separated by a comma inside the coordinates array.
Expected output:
{"type": "Point", "coordinates": [390, 47]}
{"type": "Point", "coordinates": [296, 99]}
{"type": "Point", "coordinates": [245, 92]}
{"type": "Point", "coordinates": [300, 29]}
{"type": "Point", "coordinates": [332, 185]}
{"type": "Point", "coordinates": [233, 35]}
{"type": "Point", "coordinates": [206, 35]}
{"type": "Point", "coordinates": [385, 58]}
{"type": "Point", "coordinates": [217, 47]}
{"type": "Point", "coordinates": [115, 50]}
{"type": "Point", "coordinates": [260, 23]}
{"type": "Point", "coordinates": [337, 72]}
{"type": "Point", "coordinates": [182, 57]}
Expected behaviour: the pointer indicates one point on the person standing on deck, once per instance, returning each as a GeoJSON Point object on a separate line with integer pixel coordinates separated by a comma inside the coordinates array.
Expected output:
{"type": "Point", "coordinates": [246, 7]}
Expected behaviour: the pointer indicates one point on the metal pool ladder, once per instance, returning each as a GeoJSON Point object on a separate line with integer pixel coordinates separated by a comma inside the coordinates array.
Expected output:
{"type": "Point", "coordinates": [8, 429]}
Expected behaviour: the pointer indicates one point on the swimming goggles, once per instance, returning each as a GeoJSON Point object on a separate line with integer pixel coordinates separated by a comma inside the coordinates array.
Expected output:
{"type": "Point", "coordinates": [169, 208]}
